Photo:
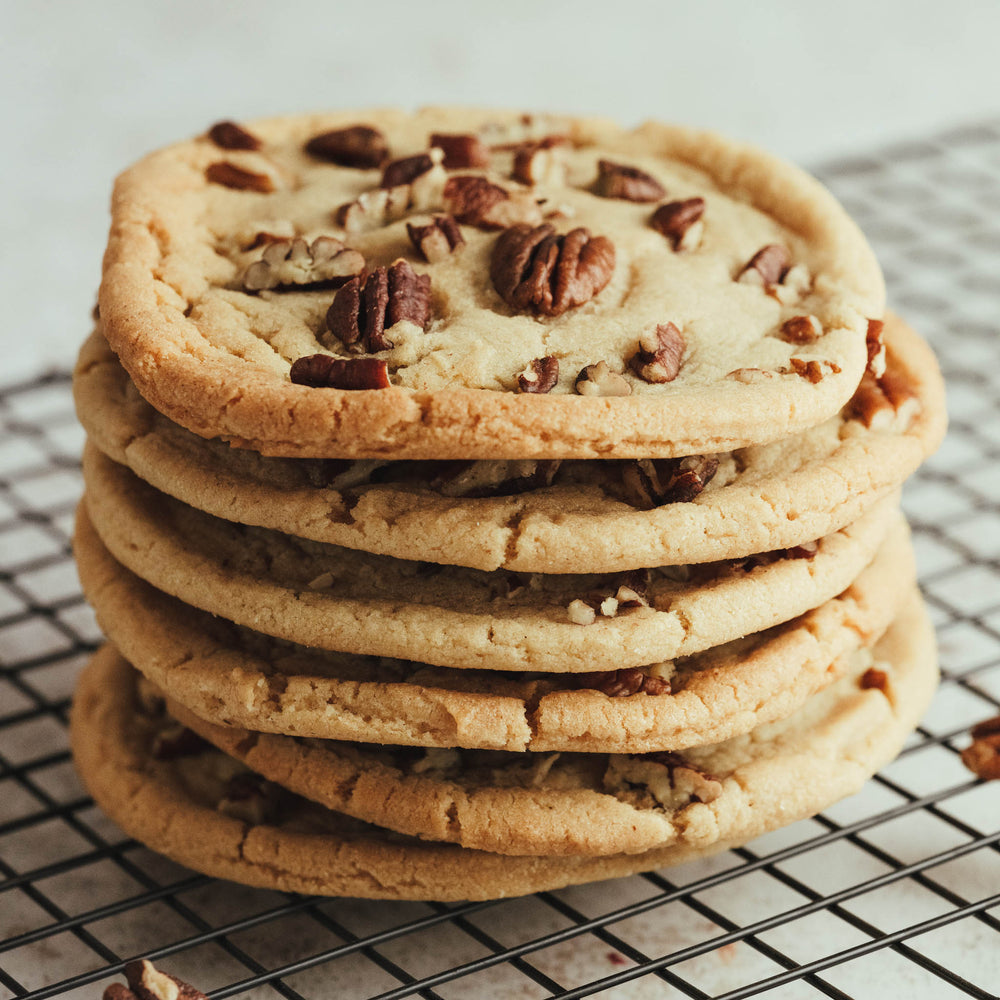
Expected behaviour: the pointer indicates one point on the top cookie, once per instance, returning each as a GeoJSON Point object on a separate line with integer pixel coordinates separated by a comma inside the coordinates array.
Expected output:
{"type": "Point", "coordinates": [520, 287]}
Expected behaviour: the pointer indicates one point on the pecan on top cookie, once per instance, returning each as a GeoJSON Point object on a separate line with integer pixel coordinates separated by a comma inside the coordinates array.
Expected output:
{"type": "Point", "coordinates": [524, 238]}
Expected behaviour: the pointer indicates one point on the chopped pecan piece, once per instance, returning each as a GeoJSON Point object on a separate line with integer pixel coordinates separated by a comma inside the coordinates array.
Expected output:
{"type": "Point", "coordinates": [616, 180]}
{"type": "Point", "coordinates": [288, 263]}
{"type": "Point", "coordinates": [801, 330]}
{"type": "Point", "coordinates": [982, 757]}
{"type": "Point", "coordinates": [625, 683]}
{"type": "Point", "coordinates": [807, 550]}
{"type": "Point", "coordinates": [146, 982]}
{"type": "Point", "coordinates": [358, 146]}
{"type": "Point", "coordinates": [540, 375]}
{"type": "Point", "coordinates": [767, 267]}
{"type": "Point", "coordinates": [650, 483]}
{"type": "Point", "coordinates": [812, 371]}
{"type": "Point", "coordinates": [680, 222]}
{"type": "Point", "coordinates": [249, 798]}
{"type": "Point", "coordinates": [461, 152]}
{"type": "Point", "coordinates": [665, 778]}
{"type": "Point", "coordinates": [412, 184]}
{"type": "Point", "coordinates": [478, 202]}
{"type": "Point", "coordinates": [324, 371]}
{"type": "Point", "coordinates": [362, 312]}
{"type": "Point", "coordinates": [540, 162]}
{"type": "Point", "coordinates": [493, 479]}
{"type": "Point", "coordinates": [874, 678]}
{"type": "Point", "coordinates": [884, 403]}
{"type": "Point", "coordinates": [176, 741]}
{"type": "Point", "coordinates": [686, 778]}
{"type": "Point", "coordinates": [229, 135]}
{"type": "Point", "coordinates": [534, 269]}
{"type": "Point", "coordinates": [876, 347]}
{"type": "Point", "coordinates": [438, 239]}
{"type": "Point", "coordinates": [231, 176]}
{"type": "Point", "coordinates": [659, 356]}
{"type": "Point", "coordinates": [406, 170]}
{"type": "Point", "coordinates": [750, 376]}
{"type": "Point", "coordinates": [601, 380]}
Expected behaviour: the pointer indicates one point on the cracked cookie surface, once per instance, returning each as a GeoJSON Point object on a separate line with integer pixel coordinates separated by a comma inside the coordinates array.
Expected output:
{"type": "Point", "coordinates": [184, 807]}
{"type": "Point", "coordinates": [220, 264]}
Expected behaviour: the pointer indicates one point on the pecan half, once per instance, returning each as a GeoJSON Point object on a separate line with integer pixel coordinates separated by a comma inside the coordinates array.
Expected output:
{"type": "Point", "coordinates": [437, 239]}
{"type": "Point", "coordinates": [295, 263]}
{"type": "Point", "coordinates": [534, 269]}
{"type": "Point", "coordinates": [601, 380]}
{"type": "Point", "coordinates": [658, 358]}
{"type": "Point", "coordinates": [323, 371]}
{"type": "Point", "coordinates": [982, 757]}
{"type": "Point", "coordinates": [616, 180]}
{"type": "Point", "coordinates": [649, 482]}
{"type": "Point", "coordinates": [146, 982]}
{"type": "Point", "coordinates": [767, 267]}
{"type": "Point", "coordinates": [625, 683]}
{"type": "Point", "coordinates": [231, 176]}
{"type": "Point", "coordinates": [876, 347]}
{"type": "Point", "coordinates": [461, 151]}
{"type": "Point", "coordinates": [358, 146]}
{"type": "Point", "coordinates": [680, 222]}
{"type": "Point", "coordinates": [229, 135]}
{"type": "Point", "coordinates": [801, 330]}
{"type": "Point", "coordinates": [478, 202]}
{"type": "Point", "coordinates": [362, 311]}
{"type": "Point", "coordinates": [540, 375]}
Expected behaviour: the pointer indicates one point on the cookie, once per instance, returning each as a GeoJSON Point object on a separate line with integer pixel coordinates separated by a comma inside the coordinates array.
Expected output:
{"type": "Point", "coordinates": [474, 289]}
{"type": "Point", "coordinates": [343, 599]}
{"type": "Point", "coordinates": [594, 517]}
{"type": "Point", "coordinates": [568, 803]}
{"type": "Point", "coordinates": [234, 676]}
{"type": "Point", "coordinates": [203, 811]}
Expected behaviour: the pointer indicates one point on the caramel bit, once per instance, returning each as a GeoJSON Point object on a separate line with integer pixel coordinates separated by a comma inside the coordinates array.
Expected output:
{"type": "Point", "coordinates": [658, 358]}
{"type": "Point", "coordinates": [535, 270]}
{"type": "Point", "coordinates": [615, 180]}
{"type": "Point", "coordinates": [601, 380]}
{"type": "Point", "coordinates": [625, 683]}
{"type": "Point", "coordinates": [296, 263]}
{"type": "Point", "coordinates": [801, 330]}
{"type": "Point", "coordinates": [478, 202]}
{"type": "Point", "coordinates": [325, 371]}
{"type": "Point", "coordinates": [231, 176]}
{"type": "Point", "coordinates": [680, 222]}
{"type": "Point", "coordinates": [406, 170]}
{"type": "Point", "coordinates": [363, 310]}
{"type": "Point", "coordinates": [461, 152]}
{"type": "Point", "coordinates": [358, 146]}
{"type": "Point", "coordinates": [174, 741]}
{"type": "Point", "coordinates": [229, 135]}
{"type": "Point", "coordinates": [540, 162]}
{"type": "Point", "coordinates": [436, 240]}
{"type": "Point", "coordinates": [876, 347]}
{"type": "Point", "coordinates": [146, 982]}
{"type": "Point", "coordinates": [982, 757]}
{"type": "Point", "coordinates": [652, 482]}
{"type": "Point", "coordinates": [812, 371]}
{"type": "Point", "coordinates": [874, 678]}
{"type": "Point", "coordinates": [767, 267]}
{"type": "Point", "coordinates": [540, 375]}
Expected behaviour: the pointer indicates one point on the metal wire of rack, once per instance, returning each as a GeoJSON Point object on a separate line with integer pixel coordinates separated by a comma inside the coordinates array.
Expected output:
{"type": "Point", "coordinates": [895, 891]}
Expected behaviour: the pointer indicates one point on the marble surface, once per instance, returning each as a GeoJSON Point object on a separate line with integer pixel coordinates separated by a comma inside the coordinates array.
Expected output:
{"type": "Point", "coordinates": [88, 88]}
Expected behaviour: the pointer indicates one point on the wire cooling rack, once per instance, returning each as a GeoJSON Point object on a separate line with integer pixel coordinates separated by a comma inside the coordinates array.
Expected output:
{"type": "Point", "coordinates": [895, 892]}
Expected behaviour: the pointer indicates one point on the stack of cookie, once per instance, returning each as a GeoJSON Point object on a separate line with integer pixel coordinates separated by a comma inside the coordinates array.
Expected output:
{"type": "Point", "coordinates": [480, 503]}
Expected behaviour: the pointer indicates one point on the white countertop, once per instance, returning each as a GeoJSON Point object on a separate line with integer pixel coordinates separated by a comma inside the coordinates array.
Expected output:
{"type": "Point", "coordinates": [91, 87]}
